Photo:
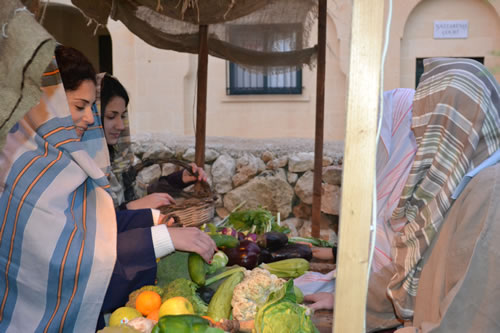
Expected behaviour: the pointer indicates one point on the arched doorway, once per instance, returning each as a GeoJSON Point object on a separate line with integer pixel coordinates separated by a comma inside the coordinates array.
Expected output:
{"type": "Point", "coordinates": [482, 40]}
{"type": "Point", "coordinates": [69, 27]}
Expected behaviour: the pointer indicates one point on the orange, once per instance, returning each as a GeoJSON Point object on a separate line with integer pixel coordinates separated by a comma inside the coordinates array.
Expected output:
{"type": "Point", "coordinates": [154, 315]}
{"type": "Point", "coordinates": [147, 302]}
{"type": "Point", "coordinates": [176, 306]}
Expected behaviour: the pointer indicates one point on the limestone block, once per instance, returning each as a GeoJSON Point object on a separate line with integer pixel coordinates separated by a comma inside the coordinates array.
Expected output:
{"type": "Point", "coordinates": [269, 190]}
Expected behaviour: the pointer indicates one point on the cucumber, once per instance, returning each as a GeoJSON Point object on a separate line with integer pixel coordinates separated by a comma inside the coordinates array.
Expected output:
{"type": "Point", "coordinates": [220, 305]}
{"type": "Point", "coordinates": [197, 269]}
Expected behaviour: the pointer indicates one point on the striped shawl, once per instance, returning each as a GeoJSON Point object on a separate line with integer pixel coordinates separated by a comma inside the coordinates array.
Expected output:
{"type": "Point", "coordinates": [456, 124]}
{"type": "Point", "coordinates": [57, 221]}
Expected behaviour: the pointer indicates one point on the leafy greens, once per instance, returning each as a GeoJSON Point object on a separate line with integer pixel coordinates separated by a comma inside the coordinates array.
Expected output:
{"type": "Point", "coordinates": [257, 221]}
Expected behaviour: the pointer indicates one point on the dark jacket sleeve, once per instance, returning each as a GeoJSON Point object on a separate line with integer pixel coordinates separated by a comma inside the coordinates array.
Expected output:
{"type": "Point", "coordinates": [175, 179]}
{"type": "Point", "coordinates": [135, 258]}
{"type": "Point", "coordinates": [171, 184]}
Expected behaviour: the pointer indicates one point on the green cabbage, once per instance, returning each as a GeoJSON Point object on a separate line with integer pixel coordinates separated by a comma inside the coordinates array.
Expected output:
{"type": "Point", "coordinates": [172, 267]}
{"type": "Point", "coordinates": [281, 313]}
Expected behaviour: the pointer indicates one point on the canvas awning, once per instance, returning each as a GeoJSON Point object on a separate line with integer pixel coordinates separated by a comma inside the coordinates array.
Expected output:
{"type": "Point", "coordinates": [232, 26]}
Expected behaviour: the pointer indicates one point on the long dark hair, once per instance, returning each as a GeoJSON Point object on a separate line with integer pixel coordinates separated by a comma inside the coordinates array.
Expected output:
{"type": "Point", "coordinates": [111, 87]}
{"type": "Point", "coordinates": [74, 67]}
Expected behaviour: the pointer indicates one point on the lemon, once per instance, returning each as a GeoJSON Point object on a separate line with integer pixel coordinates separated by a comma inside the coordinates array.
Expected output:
{"type": "Point", "coordinates": [123, 315]}
{"type": "Point", "coordinates": [176, 306]}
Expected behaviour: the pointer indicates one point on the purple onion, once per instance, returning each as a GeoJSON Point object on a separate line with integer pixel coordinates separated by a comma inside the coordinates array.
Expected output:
{"type": "Point", "coordinates": [251, 237]}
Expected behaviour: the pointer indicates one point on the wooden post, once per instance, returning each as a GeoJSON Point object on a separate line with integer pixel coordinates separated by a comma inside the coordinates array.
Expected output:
{"type": "Point", "coordinates": [320, 116]}
{"type": "Point", "coordinates": [201, 97]}
{"type": "Point", "coordinates": [359, 165]}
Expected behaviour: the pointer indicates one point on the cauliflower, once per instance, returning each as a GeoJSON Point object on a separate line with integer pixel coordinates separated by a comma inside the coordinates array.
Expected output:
{"type": "Point", "coordinates": [253, 292]}
{"type": "Point", "coordinates": [142, 324]}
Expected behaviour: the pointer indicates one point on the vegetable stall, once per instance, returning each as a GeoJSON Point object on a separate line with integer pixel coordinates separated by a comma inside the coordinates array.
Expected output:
{"type": "Point", "coordinates": [249, 286]}
{"type": "Point", "coordinates": [364, 83]}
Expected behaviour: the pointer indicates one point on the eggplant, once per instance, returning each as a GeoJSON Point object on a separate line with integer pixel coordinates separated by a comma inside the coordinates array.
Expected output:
{"type": "Point", "coordinates": [288, 251]}
{"type": "Point", "coordinates": [245, 255]}
{"type": "Point", "coordinates": [205, 293]}
{"type": "Point", "coordinates": [272, 240]}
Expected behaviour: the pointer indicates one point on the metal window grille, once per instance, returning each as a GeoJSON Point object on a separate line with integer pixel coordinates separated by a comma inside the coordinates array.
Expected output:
{"type": "Point", "coordinates": [270, 80]}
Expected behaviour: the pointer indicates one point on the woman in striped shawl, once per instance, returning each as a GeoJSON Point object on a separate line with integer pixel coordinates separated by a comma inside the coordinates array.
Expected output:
{"type": "Point", "coordinates": [445, 254]}
{"type": "Point", "coordinates": [58, 227]}
{"type": "Point", "coordinates": [63, 256]}
{"type": "Point", "coordinates": [443, 270]}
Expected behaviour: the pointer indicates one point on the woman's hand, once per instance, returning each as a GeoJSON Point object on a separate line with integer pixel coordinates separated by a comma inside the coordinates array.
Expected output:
{"type": "Point", "coordinates": [164, 219]}
{"type": "Point", "coordinates": [320, 301]}
{"type": "Point", "coordinates": [322, 253]}
{"type": "Point", "coordinates": [187, 177]}
{"type": "Point", "coordinates": [154, 201]}
{"type": "Point", "coordinates": [193, 240]}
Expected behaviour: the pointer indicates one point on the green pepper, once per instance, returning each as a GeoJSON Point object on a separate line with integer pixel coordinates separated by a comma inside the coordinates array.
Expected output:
{"type": "Point", "coordinates": [181, 324]}
{"type": "Point", "coordinates": [224, 240]}
{"type": "Point", "coordinates": [197, 269]}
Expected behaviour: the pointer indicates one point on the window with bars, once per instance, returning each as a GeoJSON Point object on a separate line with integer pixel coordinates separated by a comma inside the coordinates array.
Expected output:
{"type": "Point", "coordinates": [420, 67]}
{"type": "Point", "coordinates": [270, 80]}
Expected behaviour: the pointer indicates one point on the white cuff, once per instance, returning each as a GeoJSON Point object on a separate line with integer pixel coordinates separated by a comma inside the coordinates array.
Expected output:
{"type": "Point", "coordinates": [162, 243]}
{"type": "Point", "coordinates": [156, 216]}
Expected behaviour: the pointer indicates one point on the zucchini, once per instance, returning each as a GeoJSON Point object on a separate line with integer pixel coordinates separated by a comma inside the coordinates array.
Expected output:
{"type": "Point", "coordinates": [220, 305]}
{"type": "Point", "coordinates": [197, 269]}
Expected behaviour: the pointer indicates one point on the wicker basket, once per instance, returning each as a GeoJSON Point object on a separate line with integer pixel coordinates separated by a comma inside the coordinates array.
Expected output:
{"type": "Point", "coordinates": [191, 212]}
{"type": "Point", "coordinates": [191, 209]}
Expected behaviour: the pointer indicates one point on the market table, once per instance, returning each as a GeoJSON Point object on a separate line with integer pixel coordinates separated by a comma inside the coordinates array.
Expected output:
{"type": "Point", "coordinates": [323, 320]}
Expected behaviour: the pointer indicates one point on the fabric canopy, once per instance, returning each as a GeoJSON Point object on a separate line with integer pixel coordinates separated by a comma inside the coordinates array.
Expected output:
{"type": "Point", "coordinates": [262, 35]}
{"type": "Point", "coordinates": [26, 50]}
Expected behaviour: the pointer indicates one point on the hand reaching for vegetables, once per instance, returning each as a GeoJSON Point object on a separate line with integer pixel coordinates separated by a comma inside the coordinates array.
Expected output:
{"type": "Point", "coordinates": [154, 200]}
{"type": "Point", "coordinates": [320, 301]}
{"type": "Point", "coordinates": [322, 253]}
{"type": "Point", "coordinates": [187, 177]}
{"type": "Point", "coordinates": [193, 240]}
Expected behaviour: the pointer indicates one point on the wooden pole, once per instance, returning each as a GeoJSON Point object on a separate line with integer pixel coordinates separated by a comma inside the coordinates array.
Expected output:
{"type": "Point", "coordinates": [320, 116]}
{"type": "Point", "coordinates": [201, 96]}
{"type": "Point", "coordinates": [359, 165]}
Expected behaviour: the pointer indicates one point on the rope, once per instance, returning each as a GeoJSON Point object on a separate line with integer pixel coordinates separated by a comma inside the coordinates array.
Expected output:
{"type": "Point", "coordinates": [373, 226]}
{"type": "Point", "coordinates": [231, 5]}
{"type": "Point", "coordinates": [3, 30]}
{"type": "Point", "coordinates": [44, 10]}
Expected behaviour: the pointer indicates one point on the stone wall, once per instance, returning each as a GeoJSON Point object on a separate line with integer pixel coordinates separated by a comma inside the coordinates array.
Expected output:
{"type": "Point", "coordinates": [275, 174]}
